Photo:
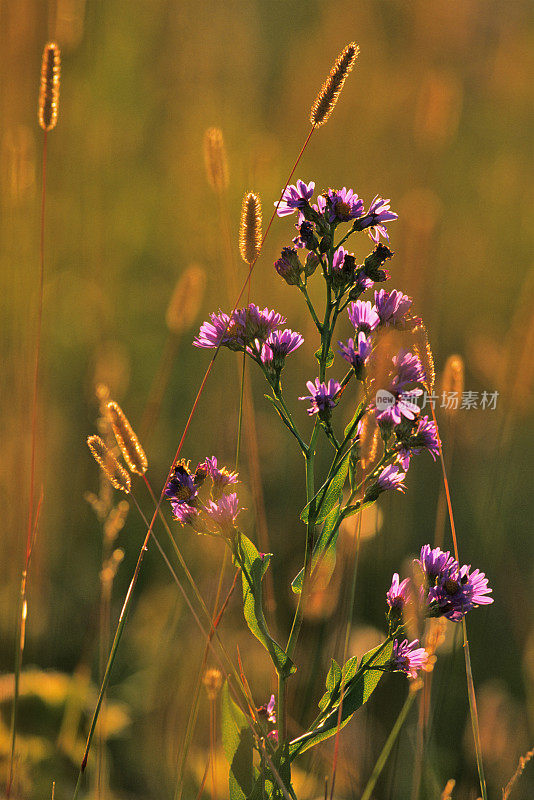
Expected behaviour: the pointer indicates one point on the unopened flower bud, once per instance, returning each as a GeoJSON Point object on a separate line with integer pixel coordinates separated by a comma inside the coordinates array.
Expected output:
{"type": "Point", "coordinates": [307, 234]}
{"type": "Point", "coordinates": [372, 266]}
{"type": "Point", "coordinates": [288, 266]}
{"type": "Point", "coordinates": [312, 262]}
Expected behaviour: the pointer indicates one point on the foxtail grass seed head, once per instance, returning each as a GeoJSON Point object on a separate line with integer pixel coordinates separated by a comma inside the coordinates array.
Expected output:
{"type": "Point", "coordinates": [369, 441]}
{"type": "Point", "coordinates": [129, 444]}
{"type": "Point", "coordinates": [212, 680]}
{"type": "Point", "coordinates": [49, 88]}
{"type": "Point", "coordinates": [453, 380]}
{"type": "Point", "coordinates": [250, 228]}
{"type": "Point", "coordinates": [184, 305]}
{"type": "Point", "coordinates": [423, 351]}
{"type": "Point", "coordinates": [115, 473]}
{"type": "Point", "coordinates": [215, 160]}
{"type": "Point", "coordinates": [331, 89]}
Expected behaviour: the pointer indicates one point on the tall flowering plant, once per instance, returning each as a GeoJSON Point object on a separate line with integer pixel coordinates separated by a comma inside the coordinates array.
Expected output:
{"type": "Point", "coordinates": [386, 385]}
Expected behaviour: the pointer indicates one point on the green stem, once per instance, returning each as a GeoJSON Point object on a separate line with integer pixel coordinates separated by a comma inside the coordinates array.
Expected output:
{"type": "Point", "coordinates": [386, 750]}
{"type": "Point", "coordinates": [291, 425]}
{"type": "Point", "coordinates": [309, 303]}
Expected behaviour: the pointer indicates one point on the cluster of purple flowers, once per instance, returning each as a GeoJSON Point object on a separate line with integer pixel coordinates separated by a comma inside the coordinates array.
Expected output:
{"type": "Point", "coordinates": [213, 511]}
{"type": "Point", "coordinates": [254, 331]}
{"type": "Point", "coordinates": [448, 590]}
{"type": "Point", "coordinates": [335, 206]}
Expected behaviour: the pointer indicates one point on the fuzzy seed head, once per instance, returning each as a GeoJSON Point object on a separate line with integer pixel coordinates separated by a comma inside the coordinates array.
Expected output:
{"type": "Point", "coordinates": [423, 351]}
{"type": "Point", "coordinates": [369, 441]}
{"type": "Point", "coordinates": [215, 160]}
{"type": "Point", "coordinates": [212, 680]}
{"type": "Point", "coordinates": [129, 444]}
{"type": "Point", "coordinates": [49, 88]}
{"type": "Point", "coordinates": [250, 228]}
{"type": "Point", "coordinates": [115, 473]}
{"type": "Point", "coordinates": [453, 379]}
{"type": "Point", "coordinates": [331, 89]}
{"type": "Point", "coordinates": [186, 299]}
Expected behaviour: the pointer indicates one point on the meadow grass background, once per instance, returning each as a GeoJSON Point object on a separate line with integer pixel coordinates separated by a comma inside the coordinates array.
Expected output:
{"type": "Point", "coordinates": [438, 115]}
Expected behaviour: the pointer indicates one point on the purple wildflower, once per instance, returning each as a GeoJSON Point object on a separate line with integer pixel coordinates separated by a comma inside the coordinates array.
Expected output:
{"type": "Point", "coordinates": [422, 436]}
{"type": "Point", "coordinates": [183, 512]}
{"type": "Point", "coordinates": [181, 486]}
{"type": "Point", "coordinates": [459, 591]}
{"type": "Point", "coordinates": [408, 370]}
{"type": "Point", "coordinates": [307, 235]}
{"type": "Point", "coordinates": [288, 266]}
{"type": "Point", "coordinates": [391, 478]}
{"type": "Point", "coordinates": [379, 212]}
{"type": "Point", "coordinates": [247, 324]}
{"type": "Point", "coordinates": [295, 197]}
{"type": "Point", "coordinates": [356, 353]}
{"type": "Point", "coordinates": [435, 563]}
{"type": "Point", "coordinates": [399, 593]}
{"type": "Point", "coordinates": [338, 260]}
{"type": "Point", "coordinates": [408, 657]}
{"type": "Point", "coordinates": [220, 476]}
{"type": "Point", "coordinates": [222, 514]}
{"type": "Point", "coordinates": [392, 306]}
{"type": "Point", "coordinates": [278, 345]}
{"type": "Point", "coordinates": [343, 205]}
{"type": "Point", "coordinates": [322, 396]}
{"type": "Point", "coordinates": [363, 316]}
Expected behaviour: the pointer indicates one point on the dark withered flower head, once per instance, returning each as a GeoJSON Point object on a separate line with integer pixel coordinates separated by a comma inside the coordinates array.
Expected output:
{"type": "Point", "coordinates": [181, 486]}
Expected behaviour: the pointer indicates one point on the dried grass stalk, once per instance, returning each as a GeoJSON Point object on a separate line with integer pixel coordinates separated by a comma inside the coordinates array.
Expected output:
{"type": "Point", "coordinates": [215, 160]}
{"type": "Point", "coordinates": [116, 474]}
{"type": "Point", "coordinates": [447, 792]}
{"type": "Point", "coordinates": [331, 89]}
{"type": "Point", "coordinates": [250, 228]}
{"type": "Point", "coordinates": [129, 444]}
{"type": "Point", "coordinates": [212, 680]}
{"type": "Point", "coordinates": [49, 88]}
{"type": "Point", "coordinates": [369, 441]}
{"type": "Point", "coordinates": [186, 299]}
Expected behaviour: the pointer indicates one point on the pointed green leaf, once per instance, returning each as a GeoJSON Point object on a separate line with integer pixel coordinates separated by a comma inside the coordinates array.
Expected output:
{"type": "Point", "coordinates": [254, 568]}
{"type": "Point", "coordinates": [324, 549]}
{"type": "Point", "coordinates": [238, 746]}
{"type": "Point", "coordinates": [357, 691]}
{"type": "Point", "coordinates": [329, 494]}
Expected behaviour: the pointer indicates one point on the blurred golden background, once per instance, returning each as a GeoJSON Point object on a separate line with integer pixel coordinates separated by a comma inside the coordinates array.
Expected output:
{"type": "Point", "coordinates": [438, 115]}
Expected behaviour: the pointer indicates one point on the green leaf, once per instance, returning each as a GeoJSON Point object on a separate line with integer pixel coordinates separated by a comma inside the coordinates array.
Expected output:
{"type": "Point", "coordinates": [353, 424]}
{"type": "Point", "coordinates": [329, 357]}
{"type": "Point", "coordinates": [238, 746]}
{"type": "Point", "coordinates": [358, 689]}
{"type": "Point", "coordinates": [324, 549]}
{"type": "Point", "coordinates": [329, 494]}
{"type": "Point", "coordinates": [254, 568]}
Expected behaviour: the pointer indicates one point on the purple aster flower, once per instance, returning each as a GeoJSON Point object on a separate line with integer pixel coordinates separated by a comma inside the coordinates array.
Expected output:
{"type": "Point", "coordinates": [408, 657]}
{"type": "Point", "coordinates": [422, 436]}
{"type": "Point", "coordinates": [322, 396]}
{"type": "Point", "coordinates": [184, 513]}
{"type": "Point", "coordinates": [399, 593]}
{"type": "Point", "coordinates": [391, 478]}
{"type": "Point", "coordinates": [362, 281]}
{"type": "Point", "coordinates": [181, 487]}
{"type": "Point", "coordinates": [288, 266]}
{"type": "Point", "coordinates": [408, 370]}
{"type": "Point", "coordinates": [220, 476]}
{"type": "Point", "coordinates": [320, 206]}
{"type": "Point", "coordinates": [392, 306]}
{"type": "Point", "coordinates": [343, 264]}
{"type": "Point", "coordinates": [247, 324]}
{"type": "Point", "coordinates": [363, 316]}
{"type": "Point", "coordinates": [343, 205]}
{"type": "Point", "coordinates": [379, 212]}
{"type": "Point", "coordinates": [222, 514]}
{"type": "Point", "coordinates": [278, 345]}
{"type": "Point", "coordinates": [295, 197]}
{"type": "Point", "coordinates": [268, 710]}
{"type": "Point", "coordinates": [436, 564]}
{"type": "Point", "coordinates": [459, 592]}
{"type": "Point", "coordinates": [356, 353]}
{"type": "Point", "coordinates": [215, 333]}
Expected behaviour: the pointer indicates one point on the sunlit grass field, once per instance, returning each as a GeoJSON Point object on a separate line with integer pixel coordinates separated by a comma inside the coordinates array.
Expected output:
{"type": "Point", "coordinates": [438, 116]}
